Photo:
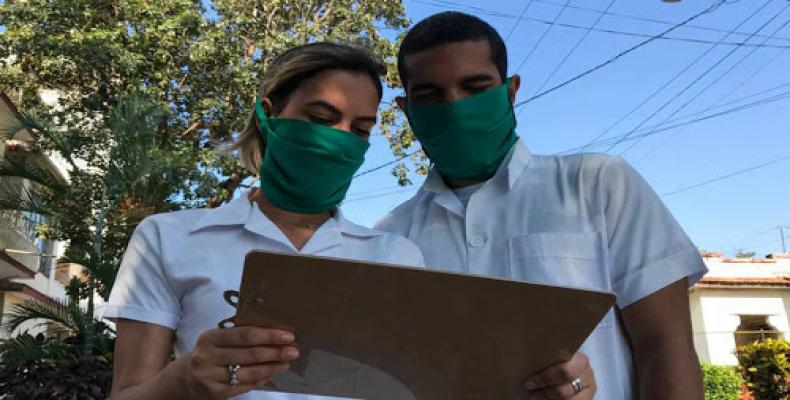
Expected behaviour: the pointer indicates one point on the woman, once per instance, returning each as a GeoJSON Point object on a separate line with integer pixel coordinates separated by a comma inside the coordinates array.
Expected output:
{"type": "Point", "coordinates": [316, 108]}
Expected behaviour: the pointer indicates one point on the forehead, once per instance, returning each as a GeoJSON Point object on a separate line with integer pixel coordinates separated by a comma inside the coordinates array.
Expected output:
{"type": "Point", "coordinates": [346, 90]}
{"type": "Point", "coordinates": [449, 61]}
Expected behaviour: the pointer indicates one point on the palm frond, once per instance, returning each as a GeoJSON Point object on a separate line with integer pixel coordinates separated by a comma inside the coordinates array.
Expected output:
{"type": "Point", "coordinates": [11, 123]}
{"type": "Point", "coordinates": [25, 348]}
{"type": "Point", "coordinates": [42, 314]}
{"type": "Point", "coordinates": [135, 156]}
{"type": "Point", "coordinates": [34, 168]}
{"type": "Point", "coordinates": [22, 198]}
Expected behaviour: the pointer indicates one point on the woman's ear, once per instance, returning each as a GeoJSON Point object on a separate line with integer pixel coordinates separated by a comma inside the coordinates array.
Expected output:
{"type": "Point", "coordinates": [267, 106]}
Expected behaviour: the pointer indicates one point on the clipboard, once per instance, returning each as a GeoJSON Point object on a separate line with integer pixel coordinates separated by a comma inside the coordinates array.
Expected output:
{"type": "Point", "coordinates": [384, 332]}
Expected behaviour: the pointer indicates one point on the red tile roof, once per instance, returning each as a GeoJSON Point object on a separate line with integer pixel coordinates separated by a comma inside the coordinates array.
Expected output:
{"type": "Point", "coordinates": [775, 281]}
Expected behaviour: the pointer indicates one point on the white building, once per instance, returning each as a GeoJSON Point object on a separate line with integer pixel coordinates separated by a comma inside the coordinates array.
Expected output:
{"type": "Point", "coordinates": [28, 264]}
{"type": "Point", "coordinates": [737, 302]}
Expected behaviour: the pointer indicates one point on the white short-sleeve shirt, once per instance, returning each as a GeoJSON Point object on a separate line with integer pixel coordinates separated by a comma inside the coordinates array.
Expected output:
{"type": "Point", "coordinates": [587, 221]}
{"type": "Point", "coordinates": [178, 265]}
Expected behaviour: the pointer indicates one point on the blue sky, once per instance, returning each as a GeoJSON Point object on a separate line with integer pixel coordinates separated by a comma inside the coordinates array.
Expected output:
{"type": "Point", "coordinates": [734, 213]}
{"type": "Point", "coordinates": [742, 212]}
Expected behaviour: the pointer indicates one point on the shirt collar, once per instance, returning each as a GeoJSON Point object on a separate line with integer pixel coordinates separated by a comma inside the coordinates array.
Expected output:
{"type": "Point", "coordinates": [512, 167]}
{"type": "Point", "coordinates": [233, 213]}
{"type": "Point", "coordinates": [244, 213]}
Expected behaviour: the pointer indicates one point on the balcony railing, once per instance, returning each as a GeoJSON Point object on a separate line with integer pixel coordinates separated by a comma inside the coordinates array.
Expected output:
{"type": "Point", "coordinates": [23, 222]}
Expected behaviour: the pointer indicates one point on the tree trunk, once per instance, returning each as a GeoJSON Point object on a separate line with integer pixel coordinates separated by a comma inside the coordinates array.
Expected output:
{"type": "Point", "coordinates": [89, 331]}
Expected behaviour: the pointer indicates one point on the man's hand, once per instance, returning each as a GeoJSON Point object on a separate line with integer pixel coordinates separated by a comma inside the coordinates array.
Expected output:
{"type": "Point", "coordinates": [557, 382]}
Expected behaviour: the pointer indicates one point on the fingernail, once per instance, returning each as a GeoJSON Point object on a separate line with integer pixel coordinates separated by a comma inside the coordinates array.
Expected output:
{"type": "Point", "coordinates": [287, 337]}
{"type": "Point", "coordinates": [291, 353]}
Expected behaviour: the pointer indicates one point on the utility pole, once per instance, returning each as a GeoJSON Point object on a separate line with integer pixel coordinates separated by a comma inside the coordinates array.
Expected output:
{"type": "Point", "coordinates": [782, 235]}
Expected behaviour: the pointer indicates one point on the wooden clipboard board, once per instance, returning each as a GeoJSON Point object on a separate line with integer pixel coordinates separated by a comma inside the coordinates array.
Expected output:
{"type": "Point", "coordinates": [383, 332]}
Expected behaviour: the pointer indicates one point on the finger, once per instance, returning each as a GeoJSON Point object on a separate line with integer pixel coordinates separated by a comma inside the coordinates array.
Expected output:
{"type": "Point", "coordinates": [566, 390]}
{"type": "Point", "coordinates": [253, 355]}
{"type": "Point", "coordinates": [559, 374]}
{"type": "Point", "coordinates": [561, 392]}
{"type": "Point", "coordinates": [249, 336]}
{"type": "Point", "coordinates": [249, 374]}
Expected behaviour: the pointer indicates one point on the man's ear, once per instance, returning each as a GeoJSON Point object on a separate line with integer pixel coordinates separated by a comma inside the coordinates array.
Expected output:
{"type": "Point", "coordinates": [401, 101]}
{"type": "Point", "coordinates": [515, 83]}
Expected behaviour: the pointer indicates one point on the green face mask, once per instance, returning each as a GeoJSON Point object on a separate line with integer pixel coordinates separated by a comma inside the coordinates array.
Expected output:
{"type": "Point", "coordinates": [307, 168]}
{"type": "Point", "coordinates": [466, 139]}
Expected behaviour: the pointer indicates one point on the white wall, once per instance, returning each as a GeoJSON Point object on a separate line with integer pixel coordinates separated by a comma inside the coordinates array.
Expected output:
{"type": "Point", "coordinates": [715, 314]}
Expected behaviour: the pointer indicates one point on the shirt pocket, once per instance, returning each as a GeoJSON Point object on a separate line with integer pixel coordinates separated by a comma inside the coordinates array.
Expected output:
{"type": "Point", "coordinates": [561, 259]}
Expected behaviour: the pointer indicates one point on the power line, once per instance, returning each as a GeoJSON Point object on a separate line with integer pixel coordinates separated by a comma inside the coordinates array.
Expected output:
{"type": "Point", "coordinates": [750, 77]}
{"type": "Point", "coordinates": [773, 99]}
{"type": "Point", "coordinates": [707, 71]}
{"type": "Point", "coordinates": [543, 36]}
{"type": "Point", "coordinates": [619, 55]}
{"type": "Point", "coordinates": [743, 238]}
{"type": "Point", "coordinates": [712, 107]}
{"type": "Point", "coordinates": [781, 96]}
{"type": "Point", "coordinates": [575, 46]}
{"type": "Point", "coordinates": [482, 11]}
{"type": "Point", "coordinates": [723, 177]}
{"type": "Point", "coordinates": [391, 192]}
{"type": "Point", "coordinates": [647, 19]}
{"type": "Point", "coordinates": [675, 77]}
{"type": "Point", "coordinates": [583, 74]}
{"type": "Point", "coordinates": [520, 18]}
{"type": "Point", "coordinates": [373, 191]}
{"type": "Point", "coordinates": [374, 169]}
{"type": "Point", "coordinates": [738, 100]}
{"type": "Point", "coordinates": [710, 84]}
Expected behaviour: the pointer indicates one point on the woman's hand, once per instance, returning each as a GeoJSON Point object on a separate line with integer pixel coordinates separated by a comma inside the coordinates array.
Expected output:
{"type": "Point", "coordinates": [260, 353]}
{"type": "Point", "coordinates": [563, 381]}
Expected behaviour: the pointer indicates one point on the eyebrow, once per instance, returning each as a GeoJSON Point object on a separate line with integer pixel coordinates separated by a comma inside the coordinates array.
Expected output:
{"type": "Point", "coordinates": [336, 111]}
{"type": "Point", "coordinates": [325, 105]}
{"type": "Point", "coordinates": [424, 86]}
{"type": "Point", "coordinates": [477, 78]}
{"type": "Point", "coordinates": [464, 81]}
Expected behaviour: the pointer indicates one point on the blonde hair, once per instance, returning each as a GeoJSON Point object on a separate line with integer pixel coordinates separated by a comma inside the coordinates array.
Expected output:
{"type": "Point", "coordinates": [285, 74]}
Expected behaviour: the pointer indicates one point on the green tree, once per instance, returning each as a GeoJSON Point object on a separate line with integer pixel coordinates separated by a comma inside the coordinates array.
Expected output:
{"type": "Point", "coordinates": [147, 92]}
{"type": "Point", "coordinates": [745, 254]}
{"type": "Point", "coordinates": [97, 208]}
{"type": "Point", "coordinates": [200, 64]}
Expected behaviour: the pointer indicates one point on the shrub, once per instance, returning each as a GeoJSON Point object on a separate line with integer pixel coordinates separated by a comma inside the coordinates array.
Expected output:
{"type": "Point", "coordinates": [721, 382]}
{"type": "Point", "coordinates": [766, 368]}
{"type": "Point", "coordinates": [75, 378]}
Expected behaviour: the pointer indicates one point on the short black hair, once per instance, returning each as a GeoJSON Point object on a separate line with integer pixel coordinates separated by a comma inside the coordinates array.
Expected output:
{"type": "Point", "coordinates": [451, 27]}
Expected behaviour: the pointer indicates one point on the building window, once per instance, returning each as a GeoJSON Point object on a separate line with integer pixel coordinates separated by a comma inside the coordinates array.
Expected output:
{"type": "Point", "coordinates": [754, 328]}
{"type": "Point", "coordinates": [45, 258]}
{"type": "Point", "coordinates": [30, 223]}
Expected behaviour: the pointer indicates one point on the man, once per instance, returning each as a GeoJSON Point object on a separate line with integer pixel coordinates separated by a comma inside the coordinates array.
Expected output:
{"type": "Point", "coordinates": [491, 207]}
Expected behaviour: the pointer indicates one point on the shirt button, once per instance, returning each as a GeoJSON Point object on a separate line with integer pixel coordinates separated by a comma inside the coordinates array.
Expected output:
{"type": "Point", "coordinates": [476, 241]}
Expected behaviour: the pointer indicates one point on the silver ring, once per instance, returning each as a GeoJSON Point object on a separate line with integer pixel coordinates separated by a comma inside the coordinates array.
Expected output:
{"type": "Point", "coordinates": [578, 385]}
{"type": "Point", "coordinates": [232, 369]}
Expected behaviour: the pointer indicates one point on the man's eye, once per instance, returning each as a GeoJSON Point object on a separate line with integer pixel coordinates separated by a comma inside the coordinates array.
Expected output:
{"type": "Point", "coordinates": [476, 89]}
{"type": "Point", "coordinates": [361, 133]}
{"type": "Point", "coordinates": [321, 120]}
{"type": "Point", "coordinates": [425, 94]}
